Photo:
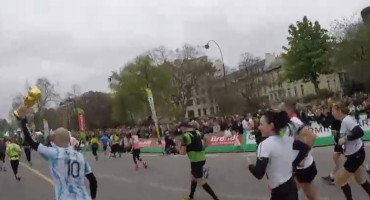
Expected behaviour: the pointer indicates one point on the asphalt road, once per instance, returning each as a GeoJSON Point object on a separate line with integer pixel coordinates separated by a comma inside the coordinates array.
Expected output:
{"type": "Point", "coordinates": [166, 178]}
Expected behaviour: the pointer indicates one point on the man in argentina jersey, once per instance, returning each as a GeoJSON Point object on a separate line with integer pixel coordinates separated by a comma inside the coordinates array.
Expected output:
{"type": "Point", "coordinates": [68, 167]}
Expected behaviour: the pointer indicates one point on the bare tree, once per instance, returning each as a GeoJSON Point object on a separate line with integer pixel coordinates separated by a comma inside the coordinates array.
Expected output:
{"type": "Point", "coordinates": [186, 75]}
{"type": "Point", "coordinates": [247, 59]}
{"type": "Point", "coordinates": [48, 93]}
{"type": "Point", "coordinates": [161, 54]}
{"type": "Point", "coordinates": [75, 91]}
{"type": "Point", "coordinates": [188, 52]}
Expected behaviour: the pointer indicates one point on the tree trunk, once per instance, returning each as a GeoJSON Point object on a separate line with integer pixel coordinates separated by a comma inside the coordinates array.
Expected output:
{"type": "Point", "coordinates": [316, 85]}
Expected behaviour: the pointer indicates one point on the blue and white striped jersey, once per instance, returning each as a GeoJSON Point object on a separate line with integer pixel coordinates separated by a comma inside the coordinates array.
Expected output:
{"type": "Point", "coordinates": [68, 169]}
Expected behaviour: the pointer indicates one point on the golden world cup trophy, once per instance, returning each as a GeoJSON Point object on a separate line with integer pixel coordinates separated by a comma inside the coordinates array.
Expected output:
{"type": "Point", "coordinates": [30, 100]}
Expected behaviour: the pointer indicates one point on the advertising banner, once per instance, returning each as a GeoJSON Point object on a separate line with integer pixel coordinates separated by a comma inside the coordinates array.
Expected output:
{"type": "Point", "coordinates": [145, 143]}
{"type": "Point", "coordinates": [152, 108]}
{"type": "Point", "coordinates": [81, 119]}
{"type": "Point", "coordinates": [220, 140]}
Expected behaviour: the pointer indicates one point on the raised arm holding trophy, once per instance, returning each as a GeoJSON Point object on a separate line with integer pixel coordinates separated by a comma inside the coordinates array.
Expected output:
{"type": "Point", "coordinates": [30, 100]}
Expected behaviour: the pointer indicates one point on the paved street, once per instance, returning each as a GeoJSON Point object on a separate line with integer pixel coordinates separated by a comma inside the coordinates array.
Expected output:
{"type": "Point", "coordinates": [166, 178]}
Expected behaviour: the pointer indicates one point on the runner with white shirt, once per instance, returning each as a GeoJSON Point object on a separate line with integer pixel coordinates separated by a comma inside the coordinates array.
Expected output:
{"type": "Point", "coordinates": [73, 141]}
{"type": "Point", "coordinates": [351, 137]}
{"type": "Point", "coordinates": [306, 171]}
{"type": "Point", "coordinates": [277, 156]}
{"type": "Point", "coordinates": [68, 167]}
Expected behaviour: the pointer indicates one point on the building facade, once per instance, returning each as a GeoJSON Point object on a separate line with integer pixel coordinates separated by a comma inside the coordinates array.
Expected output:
{"type": "Point", "coordinates": [260, 81]}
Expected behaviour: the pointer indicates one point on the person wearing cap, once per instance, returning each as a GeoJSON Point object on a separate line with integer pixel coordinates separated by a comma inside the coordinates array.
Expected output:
{"type": "Point", "coordinates": [68, 167]}
{"type": "Point", "coordinates": [191, 144]}
{"type": "Point", "coordinates": [351, 137]}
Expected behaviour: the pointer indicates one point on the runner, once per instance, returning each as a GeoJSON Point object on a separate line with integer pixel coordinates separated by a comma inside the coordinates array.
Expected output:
{"type": "Point", "coordinates": [105, 141]}
{"type": "Point", "coordinates": [2, 154]}
{"type": "Point", "coordinates": [27, 152]}
{"type": "Point", "coordinates": [192, 146]}
{"type": "Point", "coordinates": [306, 171]}
{"type": "Point", "coordinates": [338, 149]}
{"type": "Point", "coordinates": [73, 141]}
{"type": "Point", "coordinates": [136, 151]}
{"type": "Point", "coordinates": [204, 143]}
{"type": "Point", "coordinates": [13, 150]}
{"type": "Point", "coordinates": [351, 137]}
{"type": "Point", "coordinates": [94, 146]}
{"type": "Point", "coordinates": [276, 155]}
{"type": "Point", "coordinates": [115, 145]}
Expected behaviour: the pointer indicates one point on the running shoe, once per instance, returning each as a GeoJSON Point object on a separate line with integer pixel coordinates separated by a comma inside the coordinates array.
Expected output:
{"type": "Point", "coordinates": [205, 172]}
{"type": "Point", "coordinates": [145, 165]}
{"type": "Point", "coordinates": [326, 177]}
{"type": "Point", "coordinates": [186, 198]}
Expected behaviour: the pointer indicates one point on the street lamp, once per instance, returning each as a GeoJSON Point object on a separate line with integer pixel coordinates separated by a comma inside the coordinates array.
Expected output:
{"type": "Point", "coordinates": [222, 59]}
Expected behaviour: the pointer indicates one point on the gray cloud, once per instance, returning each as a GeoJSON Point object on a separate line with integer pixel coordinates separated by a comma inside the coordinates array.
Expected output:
{"type": "Point", "coordinates": [81, 42]}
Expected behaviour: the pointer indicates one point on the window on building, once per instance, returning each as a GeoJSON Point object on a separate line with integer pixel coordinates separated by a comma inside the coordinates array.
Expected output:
{"type": "Point", "coordinates": [328, 84]}
{"type": "Point", "coordinates": [271, 97]}
{"type": "Point", "coordinates": [341, 78]}
{"type": "Point", "coordinates": [264, 90]}
{"type": "Point", "coordinates": [190, 113]}
{"type": "Point", "coordinates": [205, 111]}
{"type": "Point", "coordinates": [295, 91]}
{"type": "Point", "coordinates": [289, 92]}
{"type": "Point", "coordinates": [302, 90]}
{"type": "Point", "coordinates": [190, 102]}
{"type": "Point", "coordinates": [203, 91]}
{"type": "Point", "coordinates": [335, 85]}
{"type": "Point", "coordinates": [212, 110]}
{"type": "Point", "coordinates": [198, 101]}
{"type": "Point", "coordinates": [204, 101]}
{"type": "Point", "coordinates": [199, 113]}
{"type": "Point", "coordinates": [276, 97]}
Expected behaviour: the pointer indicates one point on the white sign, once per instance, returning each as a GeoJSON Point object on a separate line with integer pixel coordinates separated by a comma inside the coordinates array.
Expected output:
{"type": "Point", "coordinates": [319, 130]}
{"type": "Point", "coordinates": [251, 139]}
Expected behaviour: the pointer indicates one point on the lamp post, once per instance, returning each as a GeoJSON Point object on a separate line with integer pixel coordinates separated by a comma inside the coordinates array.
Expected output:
{"type": "Point", "coordinates": [222, 59]}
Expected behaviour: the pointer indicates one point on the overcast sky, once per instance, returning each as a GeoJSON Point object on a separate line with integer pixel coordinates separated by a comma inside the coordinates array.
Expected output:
{"type": "Point", "coordinates": [82, 41]}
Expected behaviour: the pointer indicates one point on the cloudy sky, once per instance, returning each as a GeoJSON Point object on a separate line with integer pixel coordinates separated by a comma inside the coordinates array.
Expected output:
{"type": "Point", "coordinates": [82, 41]}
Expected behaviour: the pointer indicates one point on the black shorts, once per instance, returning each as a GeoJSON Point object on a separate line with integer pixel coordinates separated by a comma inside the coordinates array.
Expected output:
{"type": "Point", "coordinates": [2, 156]}
{"type": "Point", "coordinates": [136, 153]}
{"type": "Point", "coordinates": [197, 169]}
{"type": "Point", "coordinates": [338, 149]}
{"type": "Point", "coordinates": [306, 175]}
{"type": "Point", "coordinates": [355, 160]}
{"type": "Point", "coordinates": [285, 191]}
